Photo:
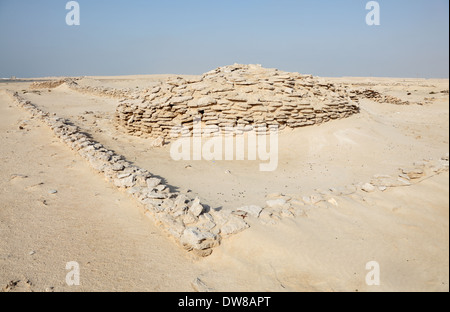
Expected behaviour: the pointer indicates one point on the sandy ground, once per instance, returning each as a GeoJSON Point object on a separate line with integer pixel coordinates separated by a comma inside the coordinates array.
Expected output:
{"type": "Point", "coordinates": [405, 229]}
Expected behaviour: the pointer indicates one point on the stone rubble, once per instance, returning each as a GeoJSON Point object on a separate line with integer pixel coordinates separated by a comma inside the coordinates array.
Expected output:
{"type": "Point", "coordinates": [373, 95]}
{"type": "Point", "coordinates": [238, 95]}
{"type": "Point", "coordinates": [193, 227]}
{"type": "Point", "coordinates": [73, 84]}
{"type": "Point", "coordinates": [280, 206]}
{"type": "Point", "coordinates": [243, 96]}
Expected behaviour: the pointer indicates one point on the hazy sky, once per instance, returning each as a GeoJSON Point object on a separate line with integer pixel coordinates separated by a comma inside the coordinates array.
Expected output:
{"type": "Point", "coordinates": [319, 37]}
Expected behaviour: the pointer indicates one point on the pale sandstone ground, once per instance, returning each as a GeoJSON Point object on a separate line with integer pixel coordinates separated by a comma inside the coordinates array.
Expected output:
{"type": "Point", "coordinates": [404, 229]}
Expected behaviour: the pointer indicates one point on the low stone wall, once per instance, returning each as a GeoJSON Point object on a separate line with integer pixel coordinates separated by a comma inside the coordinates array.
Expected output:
{"type": "Point", "coordinates": [122, 94]}
{"type": "Point", "coordinates": [377, 97]}
{"type": "Point", "coordinates": [242, 96]}
{"type": "Point", "coordinates": [279, 206]}
{"type": "Point", "coordinates": [72, 83]}
{"type": "Point", "coordinates": [194, 226]}
{"type": "Point", "coordinates": [48, 84]}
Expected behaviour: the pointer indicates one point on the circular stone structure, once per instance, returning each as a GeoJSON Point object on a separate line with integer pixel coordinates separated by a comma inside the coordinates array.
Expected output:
{"type": "Point", "coordinates": [241, 96]}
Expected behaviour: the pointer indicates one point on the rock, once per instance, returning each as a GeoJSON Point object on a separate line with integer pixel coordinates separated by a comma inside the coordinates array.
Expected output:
{"type": "Point", "coordinates": [414, 174]}
{"type": "Point", "coordinates": [154, 195]}
{"type": "Point", "coordinates": [134, 190]}
{"type": "Point", "coordinates": [18, 176]}
{"type": "Point", "coordinates": [234, 226]}
{"type": "Point", "coordinates": [189, 219]}
{"type": "Point", "coordinates": [368, 188]}
{"type": "Point", "coordinates": [174, 227]}
{"type": "Point", "coordinates": [315, 199]}
{"type": "Point", "coordinates": [125, 182]}
{"type": "Point", "coordinates": [275, 202]}
{"type": "Point", "coordinates": [194, 238]}
{"type": "Point", "coordinates": [241, 214]}
{"type": "Point", "coordinates": [287, 214]}
{"type": "Point", "coordinates": [252, 210]}
{"type": "Point", "coordinates": [274, 196]}
{"type": "Point", "coordinates": [295, 202]}
{"type": "Point", "coordinates": [403, 181]}
{"type": "Point", "coordinates": [180, 202]}
{"type": "Point", "coordinates": [158, 142]}
{"type": "Point", "coordinates": [404, 176]}
{"type": "Point", "coordinates": [299, 212]}
{"type": "Point", "coordinates": [206, 222]}
{"type": "Point", "coordinates": [238, 91]}
{"type": "Point", "coordinates": [52, 191]}
{"type": "Point", "coordinates": [333, 202]}
{"type": "Point", "coordinates": [153, 182]}
{"type": "Point", "coordinates": [307, 200]}
{"type": "Point", "coordinates": [181, 99]}
{"type": "Point", "coordinates": [196, 208]}
{"type": "Point", "coordinates": [123, 175]}
{"type": "Point", "coordinates": [160, 187]}
{"type": "Point", "coordinates": [206, 101]}
{"type": "Point", "coordinates": [117, 167]}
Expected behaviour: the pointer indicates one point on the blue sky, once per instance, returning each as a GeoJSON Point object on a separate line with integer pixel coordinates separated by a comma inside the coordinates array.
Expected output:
{"type": "Point", "coordinates": [319, 37]}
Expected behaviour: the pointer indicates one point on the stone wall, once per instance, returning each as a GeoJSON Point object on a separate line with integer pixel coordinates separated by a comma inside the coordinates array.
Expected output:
{"type": "Point", "coordinates": [193, 225]}
{"type": "Point", "coordinates": [48, 84]}
{"type": "Point", "coordinates": [377, 97]}
{"type": "Point", "coordinates": [241, 96]}
{"type": "Point", "coordinates": [73, 83]}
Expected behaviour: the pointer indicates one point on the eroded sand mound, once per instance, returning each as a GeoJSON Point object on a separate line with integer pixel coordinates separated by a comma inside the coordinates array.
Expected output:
{"type": "Point", "coordinates": [242, 96]}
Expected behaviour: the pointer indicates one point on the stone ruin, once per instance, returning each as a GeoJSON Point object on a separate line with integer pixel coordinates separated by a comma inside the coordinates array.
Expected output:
{"type": "Point", "coordinates": [193, 225]}
{"type": "Point", "coordinates": [241, 96]}
{"type": "Point", "coordinates": [378, 97]}
{"type": "Point", "coordinates": [196, 227]}
{"type": "Point", "coordinates": [50, 84]}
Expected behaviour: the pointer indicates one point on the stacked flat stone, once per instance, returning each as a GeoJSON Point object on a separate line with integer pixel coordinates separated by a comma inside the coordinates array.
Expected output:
{"type": "Point", "coordinates": [48, 84]}
{"type": "Point", "coordinates": [72, 83]}
{"type": "Point", "coordinates": [195, 227]}
{"type": "Point", "coordinates": [241, 96]}
{"type": "Point", "coordinates": [376, 97]}
{"type": "Point", "coordinates": [122, 94]}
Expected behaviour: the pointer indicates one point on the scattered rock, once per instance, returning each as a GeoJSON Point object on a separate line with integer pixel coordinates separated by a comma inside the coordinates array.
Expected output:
{"type": "Point", "coordinates": [234, 226]}
{"type": "Point", "coordinates": [333, 202]}
{"type": "Point", "coordinates": [276, 202]}
{"type": "Point", "coordinates": [153, 182]}
{"type": "Point", "coordinates": [315, 199]}
{"type": "Point", "coordinates": [18, 176]}
{"type": "Point", "coordinates": [252, 210]}
{"type": "Point", "coordinates": [414, 174]}
{"type": "Point", "coordinates": [368, 188]}
{"type": "Point", "coordinates": [194, 238]}
{"type": "Point", "coordinates": [196, 208]}
{"type": "Point", "coordinates": [158, 142]}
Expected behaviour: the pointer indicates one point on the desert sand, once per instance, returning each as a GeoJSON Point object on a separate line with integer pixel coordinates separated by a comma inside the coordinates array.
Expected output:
{"type": "Point", "coordinates": [337, 176]}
